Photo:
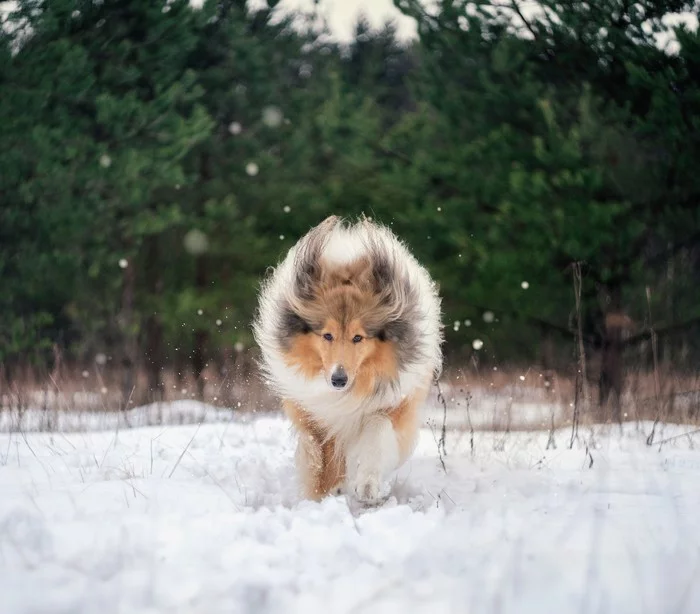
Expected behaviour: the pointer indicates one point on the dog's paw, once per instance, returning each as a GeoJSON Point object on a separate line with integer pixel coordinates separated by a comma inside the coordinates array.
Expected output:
{"type": "Point", "coordinates": [367, 488]}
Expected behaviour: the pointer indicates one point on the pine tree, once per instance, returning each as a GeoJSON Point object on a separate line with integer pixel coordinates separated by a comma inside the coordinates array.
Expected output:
{"type": "Point", "coordinates": [106, 110]}
{"type": "Point", "coordinates": [560, 138]}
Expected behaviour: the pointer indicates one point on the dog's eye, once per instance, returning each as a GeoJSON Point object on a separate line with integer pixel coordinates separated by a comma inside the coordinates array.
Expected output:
{"type": "Point", "coordinates": [357, 339]}
{"type": "Point", "coordinates": [328, 337]}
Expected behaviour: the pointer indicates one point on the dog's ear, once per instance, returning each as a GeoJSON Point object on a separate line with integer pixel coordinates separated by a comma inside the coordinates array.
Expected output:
{"type": "Point", "coordinates": [307, 261]}
{"type": "Point", "coordinates": [308, 274]}
{"type": "Point", "coordinates": [382, 272]}
{"type": "Point", "coordinates": [290, 325]}
{"type": "Point", "coordinates": [397, 300]}
{"type": "Point", "coordinates": [294, 324]}
{"type": "Point", "coordinates": [397, 331]}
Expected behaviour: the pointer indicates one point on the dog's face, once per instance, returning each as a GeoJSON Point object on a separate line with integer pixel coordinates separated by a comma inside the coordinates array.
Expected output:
{"type": "Point", "coordinates": [343, 343]}
{"type": "Point", "coordinates": [343, 349]}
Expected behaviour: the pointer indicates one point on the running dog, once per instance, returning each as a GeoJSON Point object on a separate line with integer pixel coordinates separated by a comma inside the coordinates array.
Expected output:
{"type": "Point", "coordinates": [349, 326]}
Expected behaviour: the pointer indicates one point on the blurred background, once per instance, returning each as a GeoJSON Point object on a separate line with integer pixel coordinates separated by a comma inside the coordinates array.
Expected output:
{"type": "Point", "coordinates": [540, 158]}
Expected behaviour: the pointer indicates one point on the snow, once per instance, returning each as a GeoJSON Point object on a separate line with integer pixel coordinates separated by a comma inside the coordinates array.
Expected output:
{"type": "Point", "coordinates": [185, 411]}
{"type": "Point", "coordinates": [206, 518]}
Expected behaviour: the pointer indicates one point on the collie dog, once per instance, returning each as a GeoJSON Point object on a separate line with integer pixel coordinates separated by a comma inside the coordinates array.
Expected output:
{"type": "Point", "coordinates": [349, 326]}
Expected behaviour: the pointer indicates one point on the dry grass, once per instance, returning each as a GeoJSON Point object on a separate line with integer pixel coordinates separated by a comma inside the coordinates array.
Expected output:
{"type": "Point", "coordinates": [531, 398]}
{"type": "Point", "coordinates": [98, 389]}
{"type": "Point", "coordinates": [501, 398]}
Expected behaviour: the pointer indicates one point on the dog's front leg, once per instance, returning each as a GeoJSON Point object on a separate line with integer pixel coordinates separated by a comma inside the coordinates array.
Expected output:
{"type": "Point", "coordinates": [309, 461]}
{"type": "Point", "coordinates": [371, 458]}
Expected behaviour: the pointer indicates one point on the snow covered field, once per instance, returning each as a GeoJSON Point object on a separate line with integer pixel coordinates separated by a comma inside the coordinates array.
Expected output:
{"type": "Point", "coordinates": [206, 519]}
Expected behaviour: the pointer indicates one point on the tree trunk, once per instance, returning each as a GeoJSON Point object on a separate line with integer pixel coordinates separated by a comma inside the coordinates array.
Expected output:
{"type": "Point", "coordinates": [200, 334]}
{"type": "Point", "coordinates": [612, 364]}
{"type": "Point", "coordinates": [126, 318]}
{"type": "Point", "coordinates": [200, 284]}
{"type": "Point", "coordinates": [154, 358]}
{"type": "Point", "coordinates": [668, 342]}
{"type": "Point", "coordinates": [153, 325]}
{"type": "Point", "coordinates": [5, 400]}
{"type": "Point", "coordinates": [546, 350]}
{"type": "Point", "coordinates": [180, 364]}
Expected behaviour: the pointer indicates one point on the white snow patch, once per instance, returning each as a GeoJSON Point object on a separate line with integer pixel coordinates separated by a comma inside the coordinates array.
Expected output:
{"type": "Point", "coordinates": [207, 519]}
{"type": "Point", "coordinates": [174, 413]}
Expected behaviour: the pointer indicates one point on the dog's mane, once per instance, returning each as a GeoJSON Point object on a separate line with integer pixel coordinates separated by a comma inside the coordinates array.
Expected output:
{"type": "Point", "coordinates": [350, 270]}
{"type": "Point", "coordinates": [373, 287]}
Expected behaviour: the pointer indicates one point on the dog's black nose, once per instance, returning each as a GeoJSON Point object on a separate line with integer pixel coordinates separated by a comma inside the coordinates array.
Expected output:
{"type": "Point", "coordinates": [339, 379]}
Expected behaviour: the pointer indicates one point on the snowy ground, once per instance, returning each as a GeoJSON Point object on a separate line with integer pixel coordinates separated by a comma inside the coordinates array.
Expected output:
{"type": "Point", "coordinates": [207, 519]}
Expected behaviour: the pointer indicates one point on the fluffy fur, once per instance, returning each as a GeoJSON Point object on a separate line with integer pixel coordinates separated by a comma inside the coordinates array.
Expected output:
{"type": "Point", "coordinates": [350, 333]}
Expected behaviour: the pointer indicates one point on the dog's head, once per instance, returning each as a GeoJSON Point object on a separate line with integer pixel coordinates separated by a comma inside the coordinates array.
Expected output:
{"type": "Point", "coordinates": [350, 321]}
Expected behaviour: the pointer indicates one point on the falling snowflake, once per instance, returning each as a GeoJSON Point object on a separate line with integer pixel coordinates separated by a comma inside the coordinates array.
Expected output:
{"type": "Point", "coordinates": [239, 347]}
{"type": "Point", "coordinates": [488, 317]}
{"type": "Point", "coordinates": [196, 242]}
{"type": "Point", "coordinates": [281, 237]}
{"type": "Point", "coordinates": [286, 208]}
{"type": "Point", "coordinates": [105, 161]}
{"type": "Point", "coordinates": [199, 312]}
{"type": "Point", "coordinates": [522, 378]}
{"type": "Point", "coordinates": [123, 263]}
{"type": "Point", "coordinates": [467, 322]}
{"type": "Point", "coordinates": [219, 322]}
{"type": "Point", "coordinates": [101, 359]}
{"type": "Point", "coordinates": [252, 169]}
{"type": "Point", "coordinates": [477, 344]}
{"type": "Point", "coordinates": [235, 128]}
{"type": "Point", "coordinates": [524, 285]}
{"type": "Point", "coordinates": [86, 374]}
{"type": "Point", "coordinates": [103, 390]}
{"type": "Point", "coordinates": [272, 117]}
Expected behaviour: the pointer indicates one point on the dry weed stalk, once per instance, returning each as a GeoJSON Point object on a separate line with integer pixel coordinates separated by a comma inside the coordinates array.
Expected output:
{"type": "Point", "coordinates": [442, 451]}
{"type": "Point", "coordinates": [581, 377]}
{"type": "Point", "coordinates": [655, 358]}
